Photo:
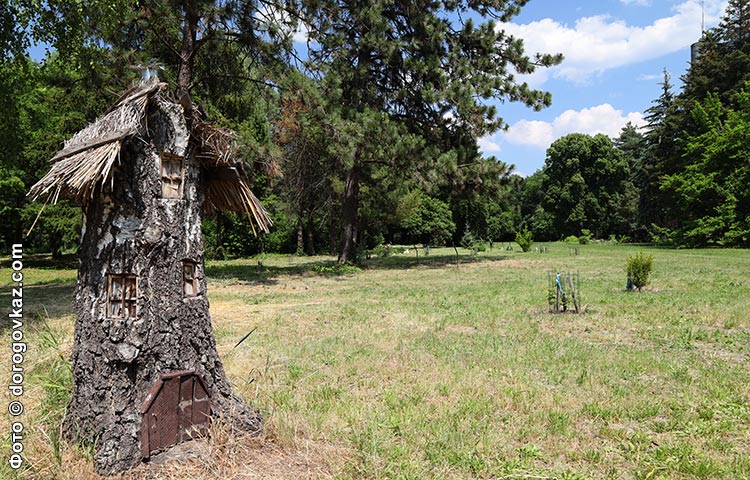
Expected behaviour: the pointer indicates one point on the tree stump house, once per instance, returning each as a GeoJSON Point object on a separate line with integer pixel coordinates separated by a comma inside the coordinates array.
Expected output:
{"type": "Point", "coordinates": [146, 373]}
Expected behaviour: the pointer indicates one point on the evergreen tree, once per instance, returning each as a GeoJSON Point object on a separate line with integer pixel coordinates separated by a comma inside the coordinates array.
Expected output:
{"type": "Point", "coordinates": [712, 191]}
{"type": "Point", "coordinates": [632, 144]}
{"type": "Point", "coordinates": [723, 65]}
{"type": "Point", "coordinates": [662, 157]}
{"type": "Point", "coordinates": [425, 65]}
{"type": "Point", "coordinates": [734, 29]}
{"type": "Point", "coordinates": [721, 70]}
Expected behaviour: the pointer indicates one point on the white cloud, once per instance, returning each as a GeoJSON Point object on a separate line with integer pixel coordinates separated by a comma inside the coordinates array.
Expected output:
{"type": "Point", "coordinates": [488, 146]}
{"type": "Point", "coordinates": [599, 119]}
{"type": "Point", "coordinates": [651, 76]}
{"type": "Point", "coordinates": [640, 3]}
{"type": "Point", "coordinates": [530, 132]}
{"type": "Point", "coordinates": [598, 43]}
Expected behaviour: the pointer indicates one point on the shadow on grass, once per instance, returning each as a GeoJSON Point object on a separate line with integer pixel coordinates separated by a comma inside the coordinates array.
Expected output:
{"type": "Point", "coordinates": [270, 274]}
{"type": "Point", "coordinates": [39, 302]}
{"type": "Point", "coordinates": [55, 297]}
{"type": "Point", "coordinates": [68, 261]}
{"type": "Point", "coordinates": [402, 262]}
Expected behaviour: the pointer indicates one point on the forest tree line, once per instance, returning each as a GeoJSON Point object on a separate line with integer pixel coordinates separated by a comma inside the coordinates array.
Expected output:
{"type": "Point", "coordinates": [367, 135]}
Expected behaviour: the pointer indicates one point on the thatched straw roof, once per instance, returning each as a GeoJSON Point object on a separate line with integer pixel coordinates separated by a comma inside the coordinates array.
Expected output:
{"type": "Point", "coordinates": [86, 161]}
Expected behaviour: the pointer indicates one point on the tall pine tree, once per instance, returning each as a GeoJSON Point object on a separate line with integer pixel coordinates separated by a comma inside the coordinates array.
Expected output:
{"type": "Point", "coordinates": [662, 157]}
{"type": "Point", "coordinates": [426, 66]}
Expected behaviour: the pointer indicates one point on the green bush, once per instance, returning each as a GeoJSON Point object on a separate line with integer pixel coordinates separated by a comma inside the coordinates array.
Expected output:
{"type": "Point", "coordinates": [468, 239]}
{"type": "Point", "coordinates": [639, 269]}
{"type": "Point", "coordinates": [571, 239]}
{"type": "Point", "coordinates": [583, 240]}
{"type": "Point", "coordinates": [524, 239]}
{"type": "Point", "coordinates": [470, 242]}
{"type": "Point", "coordinates": [383, 251]}
{"type": "Point", "coordinates": [479, 246]}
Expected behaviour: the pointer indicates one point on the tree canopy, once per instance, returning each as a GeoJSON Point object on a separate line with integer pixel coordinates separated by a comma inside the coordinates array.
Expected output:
{"type": "Point", "coordinates": [367, 132]}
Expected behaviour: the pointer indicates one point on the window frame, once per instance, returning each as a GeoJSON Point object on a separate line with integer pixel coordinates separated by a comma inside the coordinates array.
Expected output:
{"type": "Point", "coordinates": [172, 179]}
{"type": "Point", "coordinates": [122, 295]}
{"type": "Point", "coordinates": [190, 279]}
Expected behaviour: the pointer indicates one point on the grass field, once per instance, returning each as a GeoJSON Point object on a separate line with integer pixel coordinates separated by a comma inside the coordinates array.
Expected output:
{"type": "Point", "coordinates": [421, 368]}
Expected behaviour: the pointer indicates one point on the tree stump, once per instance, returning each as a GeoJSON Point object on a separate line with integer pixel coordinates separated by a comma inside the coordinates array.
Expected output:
{"type": "Point", "coordinates": [141, 307]}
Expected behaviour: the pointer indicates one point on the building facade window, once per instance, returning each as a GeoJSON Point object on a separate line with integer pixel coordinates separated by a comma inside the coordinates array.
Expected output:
{"type": "Point", "coordinates": [122, 296]}
{"type": "Point", "coordinates": [172, 172]}
{"type": "Point", "coordinates": [189, 279]}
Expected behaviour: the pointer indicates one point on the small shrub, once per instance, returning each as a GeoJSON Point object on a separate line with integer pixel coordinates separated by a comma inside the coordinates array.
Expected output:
{"type": "Point", "coordinates": [383, 251]}
{"type": "Point", "coordinates": [639, 269]}
{"type": "Point", "coordinates": [335, 270]}
{"type": "Point", "coordinates": [584, 240]}
{"type": "Point", "coordinates": [473, 243]}
{"type": "Point", "coordinates": [571, 239]}
{"type": "Point", "coordinates": [468, 239]}
{"type": "Point", "coordinates": [524, 239]}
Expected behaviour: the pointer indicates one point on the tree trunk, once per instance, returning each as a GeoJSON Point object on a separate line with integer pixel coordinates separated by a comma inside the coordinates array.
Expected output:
{"type": "Point", "coordinates": [310, 248]}
{"type": "Point", "coordinates": [300, 235]}
{"type": "Point", "coordinates": [55, 246]}
{"type": "Point", "coordinates": [350, 216]}
{"type": "Point", "coordinates": [188, 49]}
{"type": "Point", "coordinates": [131, 231]}
{"type": "Point", "coordinates": [220, 255]}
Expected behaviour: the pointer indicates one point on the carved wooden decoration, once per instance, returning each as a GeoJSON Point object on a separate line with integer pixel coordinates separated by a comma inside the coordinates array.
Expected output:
{"type": "Point", "coordinates": [144, 173]}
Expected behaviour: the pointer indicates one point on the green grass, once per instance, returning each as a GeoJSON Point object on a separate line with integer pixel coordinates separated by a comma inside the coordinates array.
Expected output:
{"type": "Point", "coordinates": [425, 368]}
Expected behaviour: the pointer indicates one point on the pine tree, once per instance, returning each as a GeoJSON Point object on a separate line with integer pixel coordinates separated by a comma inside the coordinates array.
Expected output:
{"type": "Point", "coordinates": [632, 144]}
{"type": "Point", "coordinates": [734, 29]}
{"type": "Point", "coordinates": [661, 158]}
{"type": "Point", "coordinates": [723, 65]}
{"type": "Point", "coordinates": [425, 65]}
{"type": "Point", "coordinates": [720, 71]}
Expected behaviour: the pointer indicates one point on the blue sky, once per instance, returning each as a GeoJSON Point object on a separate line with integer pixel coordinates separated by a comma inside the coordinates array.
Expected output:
{"type": "Point", "coordinates": [615, 52]}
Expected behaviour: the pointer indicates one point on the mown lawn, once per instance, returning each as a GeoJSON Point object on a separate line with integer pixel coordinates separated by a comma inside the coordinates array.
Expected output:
{"type": "Point", "coordinates": [420, 368]}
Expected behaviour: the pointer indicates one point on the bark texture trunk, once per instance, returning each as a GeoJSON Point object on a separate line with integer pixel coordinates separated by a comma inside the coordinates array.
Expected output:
{"type": "Point", "coordinates": [132, 230]}
{"type": "Point", "coordinates": [188, 49]}
{"type": "Point", "coordinates": [300, 235]}
{"type": "Point", "coordinates": [310, 237]}
{"type": "Point", "coordinates": [350, 216]}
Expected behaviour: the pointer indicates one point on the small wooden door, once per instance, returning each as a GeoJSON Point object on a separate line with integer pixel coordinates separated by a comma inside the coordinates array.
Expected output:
{"type": "Point", "coordinates": [177, 407]}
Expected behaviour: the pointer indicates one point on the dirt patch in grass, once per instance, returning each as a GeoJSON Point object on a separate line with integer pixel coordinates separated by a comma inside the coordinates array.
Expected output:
{"type": "Point", "coordinates": [711, 351]}
{"type": "Point", "coordinates": [462, 329]}
{"type": "Point", "coordinates": [591, 330]}
{"type": "Point", "coordinates": [245, 458]}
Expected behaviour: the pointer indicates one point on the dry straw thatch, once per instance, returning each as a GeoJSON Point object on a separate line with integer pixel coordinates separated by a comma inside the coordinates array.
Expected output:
{"type": "Point", "coordinates": [87, 161]}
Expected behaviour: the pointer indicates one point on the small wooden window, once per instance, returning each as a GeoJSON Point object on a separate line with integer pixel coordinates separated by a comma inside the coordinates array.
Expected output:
{"type": "Point", "coordinates": [122, 296]}
{"type": "Point", "coordinates": [172, 168]}
{"type": "Point", "coordinates": [189, 279]}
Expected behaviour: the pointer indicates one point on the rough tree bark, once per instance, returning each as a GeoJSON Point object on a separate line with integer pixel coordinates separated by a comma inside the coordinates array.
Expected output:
{"type": "Point", "coordinates": [189, 47]}
{"type": "Point", "coordinates": [310, 237]}
{"type": "Point", "coordinates": [300, 234]}
{"type": "Point", "coordinates": [131, 229]}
